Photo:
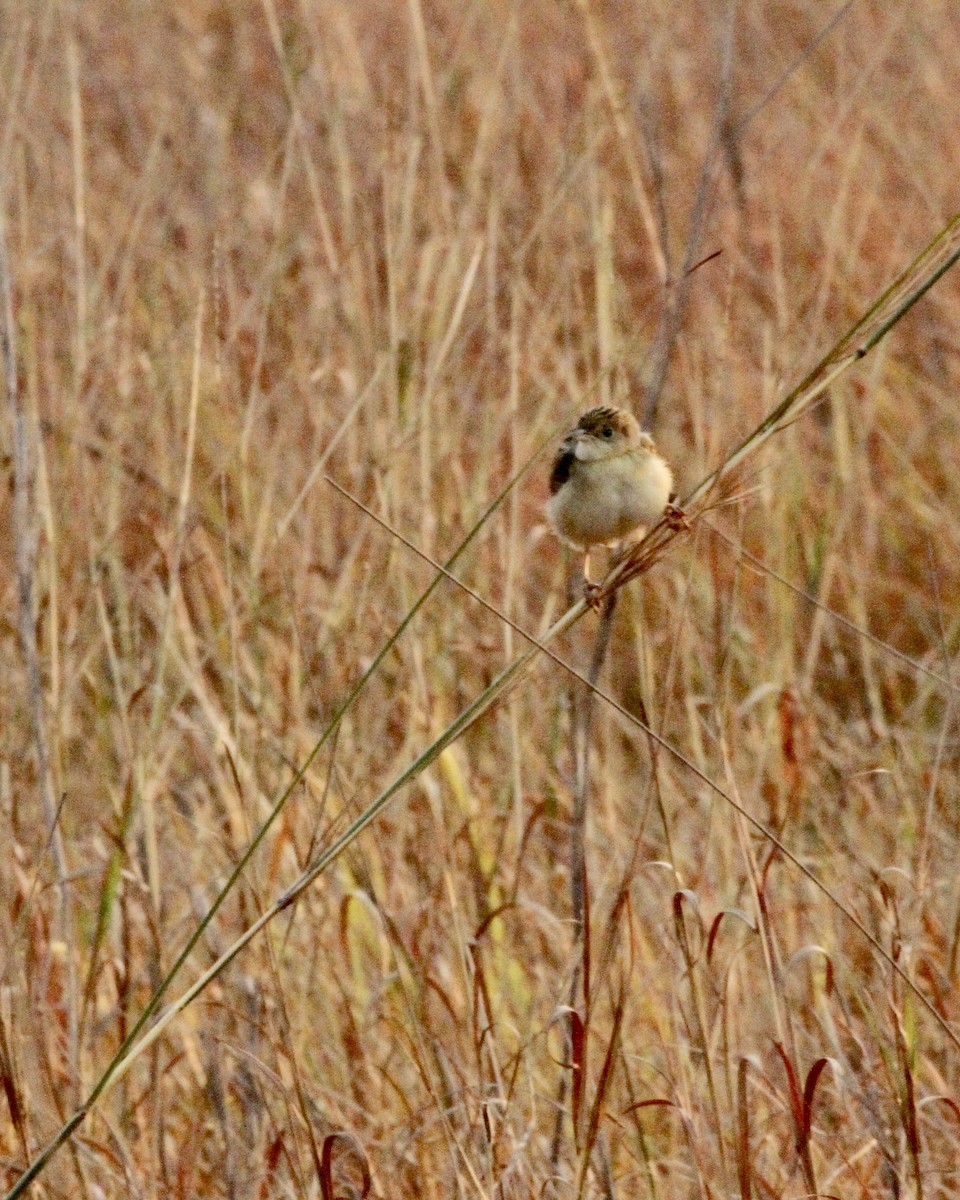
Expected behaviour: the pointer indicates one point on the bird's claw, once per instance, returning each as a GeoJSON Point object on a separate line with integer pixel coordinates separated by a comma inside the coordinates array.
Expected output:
{"type": "Point", "coordinates": [593, 594]}
{"type": "Point", "coordinates": [675, 518]}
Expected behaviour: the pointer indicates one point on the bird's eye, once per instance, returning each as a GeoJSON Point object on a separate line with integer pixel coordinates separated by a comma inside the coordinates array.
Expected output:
{"type": "Point", "coordinates": [608, 431]}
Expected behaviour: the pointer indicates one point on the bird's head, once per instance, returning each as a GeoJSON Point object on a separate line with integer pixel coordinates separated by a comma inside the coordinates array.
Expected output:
{"type": "Point", "coordinates": [607, 433]}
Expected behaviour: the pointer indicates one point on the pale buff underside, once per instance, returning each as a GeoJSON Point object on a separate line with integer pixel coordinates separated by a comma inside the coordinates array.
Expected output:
{"type": "Point", "coordinates": [605, 500]}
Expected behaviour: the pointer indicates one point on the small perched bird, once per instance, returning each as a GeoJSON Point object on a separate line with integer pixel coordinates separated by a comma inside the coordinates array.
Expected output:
{"type": "Point", "coordinates": [607, 482]}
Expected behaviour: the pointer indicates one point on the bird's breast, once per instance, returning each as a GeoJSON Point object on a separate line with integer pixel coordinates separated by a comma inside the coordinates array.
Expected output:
{"type": "Point", "coordinates": [604, 501]}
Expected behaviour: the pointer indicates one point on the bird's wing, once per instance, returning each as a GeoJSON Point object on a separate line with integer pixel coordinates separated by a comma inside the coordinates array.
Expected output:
{"type": "Point", "coordinates": [562, 466]}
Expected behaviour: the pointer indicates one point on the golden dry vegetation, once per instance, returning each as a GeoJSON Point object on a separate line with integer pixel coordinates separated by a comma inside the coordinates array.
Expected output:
{"type": "Point", "coordinates": [403, 244]}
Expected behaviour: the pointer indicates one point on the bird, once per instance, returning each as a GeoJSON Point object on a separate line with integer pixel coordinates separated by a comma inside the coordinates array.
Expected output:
{"type": "Point", "coordinates": [608, 482]}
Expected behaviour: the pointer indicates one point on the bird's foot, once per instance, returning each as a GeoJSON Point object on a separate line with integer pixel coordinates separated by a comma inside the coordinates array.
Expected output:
{"type": "Point", "coordinates": [675, 517]}
{"type": "Point", "coordinates": [593, 593]}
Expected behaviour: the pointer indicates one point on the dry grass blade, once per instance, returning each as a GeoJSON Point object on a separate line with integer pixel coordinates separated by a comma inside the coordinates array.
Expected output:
{"type": "Point", "coordinates": [25, 536]}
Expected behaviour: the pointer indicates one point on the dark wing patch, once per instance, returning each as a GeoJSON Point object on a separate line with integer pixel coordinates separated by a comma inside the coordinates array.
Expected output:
{"type": "Point", "coordinates": [562, 466]}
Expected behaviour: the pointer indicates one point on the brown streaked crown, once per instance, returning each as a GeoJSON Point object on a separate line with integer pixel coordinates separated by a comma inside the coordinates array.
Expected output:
{"type": "Point", "coordinates": [598, 420]}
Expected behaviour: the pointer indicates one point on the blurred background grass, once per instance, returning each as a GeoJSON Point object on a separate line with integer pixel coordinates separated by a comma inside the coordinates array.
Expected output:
{"type": "Point", "coordinates": [406, 244]}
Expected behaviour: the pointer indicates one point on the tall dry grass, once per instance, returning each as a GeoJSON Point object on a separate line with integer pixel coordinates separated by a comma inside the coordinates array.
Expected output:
{"type": "Point", "coordinates": [402, 246]}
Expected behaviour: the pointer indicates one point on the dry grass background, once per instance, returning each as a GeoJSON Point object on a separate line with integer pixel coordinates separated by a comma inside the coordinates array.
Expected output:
{"type": "Point", "coordinates": [405, 244]}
